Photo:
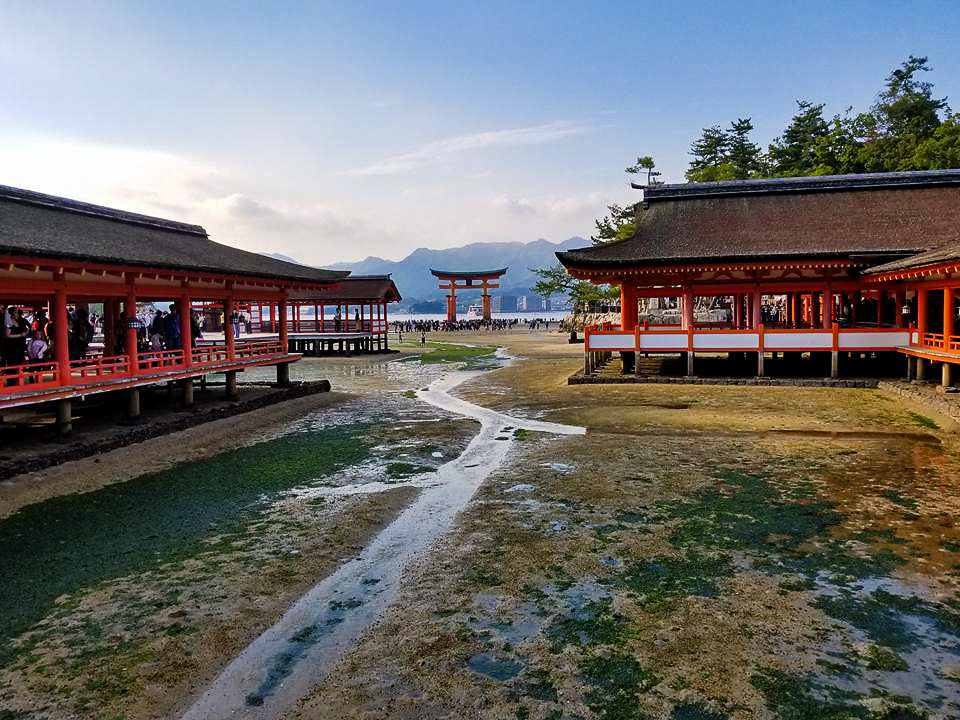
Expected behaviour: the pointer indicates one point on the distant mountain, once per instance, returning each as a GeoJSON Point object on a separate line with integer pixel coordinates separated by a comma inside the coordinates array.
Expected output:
{"type": "Point", "coordinates": [413, 278]}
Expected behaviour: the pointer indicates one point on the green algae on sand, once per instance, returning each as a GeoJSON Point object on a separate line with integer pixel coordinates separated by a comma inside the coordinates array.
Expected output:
{"type": "Point", "coordinates": [71, 542]}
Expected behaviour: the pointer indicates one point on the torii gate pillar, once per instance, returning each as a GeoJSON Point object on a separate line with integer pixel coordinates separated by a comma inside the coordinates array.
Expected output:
{"type": "Point", "coordinates": [452, 306]}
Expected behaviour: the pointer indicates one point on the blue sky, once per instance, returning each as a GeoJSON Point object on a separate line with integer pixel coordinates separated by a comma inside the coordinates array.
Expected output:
{"type": "Point", "coordinates": [333, 131]}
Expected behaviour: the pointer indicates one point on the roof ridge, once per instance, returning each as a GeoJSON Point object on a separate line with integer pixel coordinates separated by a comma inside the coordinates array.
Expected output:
{"type": "Point", "coordinates": [32, 197]}
{"type": "Point", "coordinates": [801, 183]}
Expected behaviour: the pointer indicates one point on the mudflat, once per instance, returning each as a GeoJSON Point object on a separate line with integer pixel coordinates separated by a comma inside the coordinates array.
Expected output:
{"type": "Point", "coordinates": [701, 553]}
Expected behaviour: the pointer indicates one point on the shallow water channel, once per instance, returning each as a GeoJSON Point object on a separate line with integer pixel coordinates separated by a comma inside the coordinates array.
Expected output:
{"type": "Point", "coordinates": [281, 666]}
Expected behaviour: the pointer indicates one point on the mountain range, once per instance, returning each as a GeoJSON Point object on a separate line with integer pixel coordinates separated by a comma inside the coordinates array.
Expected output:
{"type": "Point", "coordinates": [413, 278]}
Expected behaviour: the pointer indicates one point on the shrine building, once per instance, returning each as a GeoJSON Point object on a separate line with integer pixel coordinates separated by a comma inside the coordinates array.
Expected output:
{"type": "Point", "coordinates": [59, 258]}
{"type": "Point", "coordinates": [827, 268]}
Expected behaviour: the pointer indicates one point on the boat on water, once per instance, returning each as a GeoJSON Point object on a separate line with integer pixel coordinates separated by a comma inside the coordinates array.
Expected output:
{"type": "Point", "coordinates": [475, 312]}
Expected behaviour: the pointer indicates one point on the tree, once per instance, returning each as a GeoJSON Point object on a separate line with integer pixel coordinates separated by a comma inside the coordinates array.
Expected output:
{"type": "Point", "coordinates": [795, 152]}
{"type": "Point", "coordinates": [942, 150]}
{"type": "Point", "coordinates": [618, 224]}
{"type": "Point", "coordinates": [709, 151]}
{"type": "Point", "coordinates": [907, 106]}
{"type": "Point", "coordinates": [721, 154]}
{"type": "Point", "coordinates": [556, 281]}
{"type": "Point", "coordinates": [744, 155]}
{"type": "Point", "coordinates": [646, 163]}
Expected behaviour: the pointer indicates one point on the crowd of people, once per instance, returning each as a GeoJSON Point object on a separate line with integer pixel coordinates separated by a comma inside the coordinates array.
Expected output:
{"type": "Point", "coordinates": [497, 325]}
{"type": "Point", "coordinates": [28, 334]}
{"type": "Point", "coordinates": [164, 331]}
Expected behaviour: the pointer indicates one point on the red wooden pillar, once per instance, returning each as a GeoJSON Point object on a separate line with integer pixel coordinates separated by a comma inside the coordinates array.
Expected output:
{"type": "Point", "coordinates": [322, 306]}
{"type": "Point", "coordinates": [756, 317]}
{"type": "Point", "coordinates": [922, 311]}
{"type": "Point", "coordinates": [687, 319]}
{"type": "Point", "coordinates": [130, 331]}
{"type": "Point", "coordinates": [229, 339]}
{"type": "Point", "coordinates": [282, 309]}
{"type": "Point", "coordinates": [827, 308]}
{"type": "Point", "coordinates": [628, 307]}
{"type": "Point", "coordinates": [186, 330]}
{"type": "Point", "coordinates": [948, 317]}
{"type": "Point", "coordinates": [61, 347]}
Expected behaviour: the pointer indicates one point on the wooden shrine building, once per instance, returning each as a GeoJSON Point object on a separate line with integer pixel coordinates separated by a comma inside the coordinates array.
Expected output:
{"type": "Point", "coordinates": [833, 266]}
{"type": "Point", "coordinates": [351, 315]}
{"type": "Point", "coordinates": [59, 256]}
{"type": "Point", "coordinates": [484, 279]}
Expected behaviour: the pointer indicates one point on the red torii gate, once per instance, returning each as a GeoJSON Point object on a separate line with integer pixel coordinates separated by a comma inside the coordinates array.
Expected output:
{"type": "Point", "coordinates": [485, 279]}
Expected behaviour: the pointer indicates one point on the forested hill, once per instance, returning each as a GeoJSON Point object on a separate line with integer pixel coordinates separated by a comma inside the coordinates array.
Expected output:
{"type": "Point", "coordinates": [413, 278]}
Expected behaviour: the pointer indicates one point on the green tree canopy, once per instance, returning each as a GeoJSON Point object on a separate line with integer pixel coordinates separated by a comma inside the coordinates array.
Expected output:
{"type": "Point", "coordinates": [794, 152]}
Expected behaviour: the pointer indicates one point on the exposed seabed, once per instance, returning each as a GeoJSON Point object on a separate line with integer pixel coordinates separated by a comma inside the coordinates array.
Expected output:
{"type": "Point", "coordinates": [292, 656]}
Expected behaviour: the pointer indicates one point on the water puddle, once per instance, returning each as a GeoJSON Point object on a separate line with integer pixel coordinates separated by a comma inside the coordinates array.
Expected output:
{"type": "Point", "coordinates": [291, 657]}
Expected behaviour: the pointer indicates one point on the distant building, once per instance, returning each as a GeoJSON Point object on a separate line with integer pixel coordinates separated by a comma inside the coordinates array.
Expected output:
{"type": "Point", "coordinates": [508, 303]}
{"type": "Point", "coordinates": [522, 303]}
{"type": "Point", "coordinates": [545, 304]}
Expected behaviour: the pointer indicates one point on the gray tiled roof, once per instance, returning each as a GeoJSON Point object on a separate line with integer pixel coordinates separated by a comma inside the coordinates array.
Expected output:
{"type": "Point", "coordinates": [831, 216]}
{"type": "Point", "coordinates": [37, 225]}
{"type": "Point", "coordinates": [354, 288]}
{"type": "Point", "coordinates": [946, 253]}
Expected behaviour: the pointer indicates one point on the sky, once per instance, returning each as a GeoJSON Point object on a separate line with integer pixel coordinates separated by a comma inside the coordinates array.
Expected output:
{"type": "Point", "coordinates": [334, 131]}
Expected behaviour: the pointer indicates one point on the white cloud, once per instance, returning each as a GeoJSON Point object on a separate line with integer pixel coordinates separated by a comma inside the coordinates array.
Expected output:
{"type": "Point", "coordinates": [439, 150]}
{"type": "Point", "coordinates": [554, 207]}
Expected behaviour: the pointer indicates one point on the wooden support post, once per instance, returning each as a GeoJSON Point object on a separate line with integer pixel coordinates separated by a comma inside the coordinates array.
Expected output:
{"type": "Point", "coordinates": [756, 319]}
{"type": "Point", "coordinates": [834, 363]}
{"type": "Point", "coordinates": [946, 374]}
{"type": "Point", "coordinates": [911, 367]}
{"type": "Point", "coordinates": [901, 300]}
{"type": "Point", "coordinates": [231, 383]}
{"type": "Point", "coordinates": [827, 307]}
{"type": "Point", "coordinates": [922, 369]}
{"type": "Point", "coordinates": [186, 393]}
{"type": "Point", "coordinates": [690, 363]}
{"type": "Point", "coordinates": [64, 417]}
{"type": "Point", "coordinates": [283, 374]}
{"type": "Point", "coordinates": [738, 311]}
{"type": "Point", "coordinates": [133, 403]}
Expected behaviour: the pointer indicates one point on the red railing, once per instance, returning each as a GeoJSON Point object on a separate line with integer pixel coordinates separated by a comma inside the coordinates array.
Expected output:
{"type": "Point", "coordinates": [32, 375]}
{"type": "Point", "coordinates": [208, 354]}
{"type": "Point", "coordinates": [160, 360]}
{"type": "Point", "coordinates": [258, 348]}
{"type": "Point", "coordinates": [99, 366]}
{"type": "Point", "coordinates": [937, 341]}
{"type": "Point", "coordinates": [19, 378]}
